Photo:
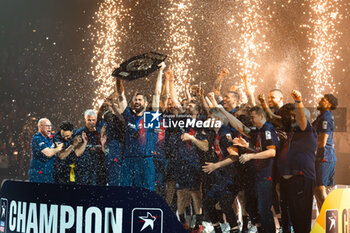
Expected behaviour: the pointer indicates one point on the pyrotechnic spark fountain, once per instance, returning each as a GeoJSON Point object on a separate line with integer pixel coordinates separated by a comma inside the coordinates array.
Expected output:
{"type": "Point", "coordinates": [108, 34]}
{"type": "Point", "coordinates": [250, 22]}
{"type": "Point", "coordinates": [322, 53]}
{"type": "Point", "coordinates": [179, 18]}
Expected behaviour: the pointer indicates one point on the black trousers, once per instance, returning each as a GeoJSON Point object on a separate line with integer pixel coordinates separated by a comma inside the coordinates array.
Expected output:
{"type": "Point", "coordinates": [297, 194]}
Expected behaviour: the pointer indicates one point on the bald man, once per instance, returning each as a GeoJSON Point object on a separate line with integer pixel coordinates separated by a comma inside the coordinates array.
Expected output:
{"type": "Point", "coordinates": [44, 152]}
{"type": "Point", "coordinates": [275, 100]}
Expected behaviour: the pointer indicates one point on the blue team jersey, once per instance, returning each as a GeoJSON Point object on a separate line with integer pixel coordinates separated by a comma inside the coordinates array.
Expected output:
{"type": "Point", "coordinates": [324, 123]}
{"type": "Point", "coordinates": [62, 167]}
{"type": "Point", "coordinates": [156, 147]}
{"type": "Point", "coordinates": [220, 144]}
{"type": "Point", "coordinates": [86, 164]}
{"type": "Point", "coordinates": [138, 140]}
{"type": "Point", "coordinates": [260, 139]}
{"type": "Point", "coordinates": [115, 132]}
{"type": "Point", "coordinates": [186, 151]}
{"type": "Point", "coordinates": [41, 166]}
{"type": "Point", "coordinates": [300, 153]}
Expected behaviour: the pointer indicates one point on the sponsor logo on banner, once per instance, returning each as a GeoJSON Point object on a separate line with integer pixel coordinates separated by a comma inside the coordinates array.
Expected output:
{"type": "Point", "coordinates": [3, 214]}
{"type": "Point", "coordinates": [153, 120]}
{"type": "Point", "coordinates": [147, 220]}
{"type": "Point", "coordinates": [331, 221]}
{"type": "Point", "coordinates": [334, 216]}
{"type": "Point", "coordinates": [50, 208]}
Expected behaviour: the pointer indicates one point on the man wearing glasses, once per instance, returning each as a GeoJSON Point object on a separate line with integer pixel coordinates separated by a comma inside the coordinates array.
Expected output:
{"type": "Point", "coordinates": [44, 151]}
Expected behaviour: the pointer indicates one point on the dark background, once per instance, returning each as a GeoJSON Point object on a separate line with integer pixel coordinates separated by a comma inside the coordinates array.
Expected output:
{"type": "Point", "coordinates": [46, 49]}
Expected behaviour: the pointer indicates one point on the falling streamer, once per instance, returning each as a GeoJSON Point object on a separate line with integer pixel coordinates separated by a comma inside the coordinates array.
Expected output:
{"type": "Point", "coordinates": [322, 51]}
{"type": "Point", "coordinates": [108, 33]}
{"type": "Point", "coordinates": [250, 22]}
{"type": "Point", "coordinates": [179, 27]}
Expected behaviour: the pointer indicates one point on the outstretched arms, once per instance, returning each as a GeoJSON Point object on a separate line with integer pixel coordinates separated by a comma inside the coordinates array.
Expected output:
{"type": "Point", "coordinates": [158, 89]}
{"type": "Point", "coordinates": [300, 110]}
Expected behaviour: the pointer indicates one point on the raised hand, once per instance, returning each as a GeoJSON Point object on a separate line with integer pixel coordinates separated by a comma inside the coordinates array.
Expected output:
{"type": "Point", "coordinates": [261, 98]}
{"type": "Point", "coordinates": [162, 66]}
{"type": "Point", "coordinates": [224, 72]}
{"type": "Point", "coordinates": [296, 95]}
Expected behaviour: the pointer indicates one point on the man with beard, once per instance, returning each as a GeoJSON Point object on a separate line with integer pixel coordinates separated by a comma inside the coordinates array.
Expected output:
{"type": "Point", "coordinates": [325, 157]}
{"type": "Point", "coordinates": [72, 147]}
{"type": "Point", "coordinates": [189, 145]}
{"type": "Point", "coordinates": [41, 168]}
{"type": "Point", "coordinates": [90, 166]}
{"type": "Point", "coordinates": [274, 103]}
{"type": "Point", "coordinates": [275, 100]}
{"type": "Point", "coordinates": [137, 167]}
{"type": "Point", "coordinates": [296, 164]}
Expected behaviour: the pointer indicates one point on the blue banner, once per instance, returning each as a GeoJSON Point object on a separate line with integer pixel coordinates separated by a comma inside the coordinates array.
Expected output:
{"type": "Point", "coordinates": [52, 208]}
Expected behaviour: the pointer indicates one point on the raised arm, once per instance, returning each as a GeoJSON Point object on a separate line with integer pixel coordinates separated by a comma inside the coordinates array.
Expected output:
{"type": "Point", "coordinates": [173, 94]}
{"type": "Point", "coordinates": [218, 83]}
{"type": "Point", "coordinates": [105, 105]}
{"type": "Point", "coordinates": [276, 120]}
{"type": "Point", "coordinates": [187, 89]}
{"type": "Point", "coordinates": [234, 122]}
{"type": "Point", "coordinates": [300, 110]}
{"type": "Point", "coordinates": [158, 88]}
{"type": "Point", "coordinates": [122, 102]}
{"type": "Point", "coordinates": [165, 95]}
{"type": "Point", "coordinates": [248, 91]}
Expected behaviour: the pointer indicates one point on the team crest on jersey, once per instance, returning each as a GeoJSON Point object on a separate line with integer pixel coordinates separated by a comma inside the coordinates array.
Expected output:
{"type": "Point", "coordinates": [268, 135]}
{"type": "Point", "coordinates": [324, 124]}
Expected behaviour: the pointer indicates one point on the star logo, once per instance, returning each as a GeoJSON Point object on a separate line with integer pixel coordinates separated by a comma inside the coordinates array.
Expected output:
{"type": "Point", "coordinates": [155, 115]}
{"type": "Point", "coordinates": [152, 120]}
{"type": "Point", "coordinates": [148, 221]}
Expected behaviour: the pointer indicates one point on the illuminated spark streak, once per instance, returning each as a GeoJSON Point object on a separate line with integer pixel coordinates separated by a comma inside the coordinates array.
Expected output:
{"type": "Point", "coordinates": [181, 53]}
{"type": "Point", "coordinates": [108, 34]}
{"type": "Point", "coordinates": [321, 54]}
{"type": "Point", "coordinates": [251, 24]}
